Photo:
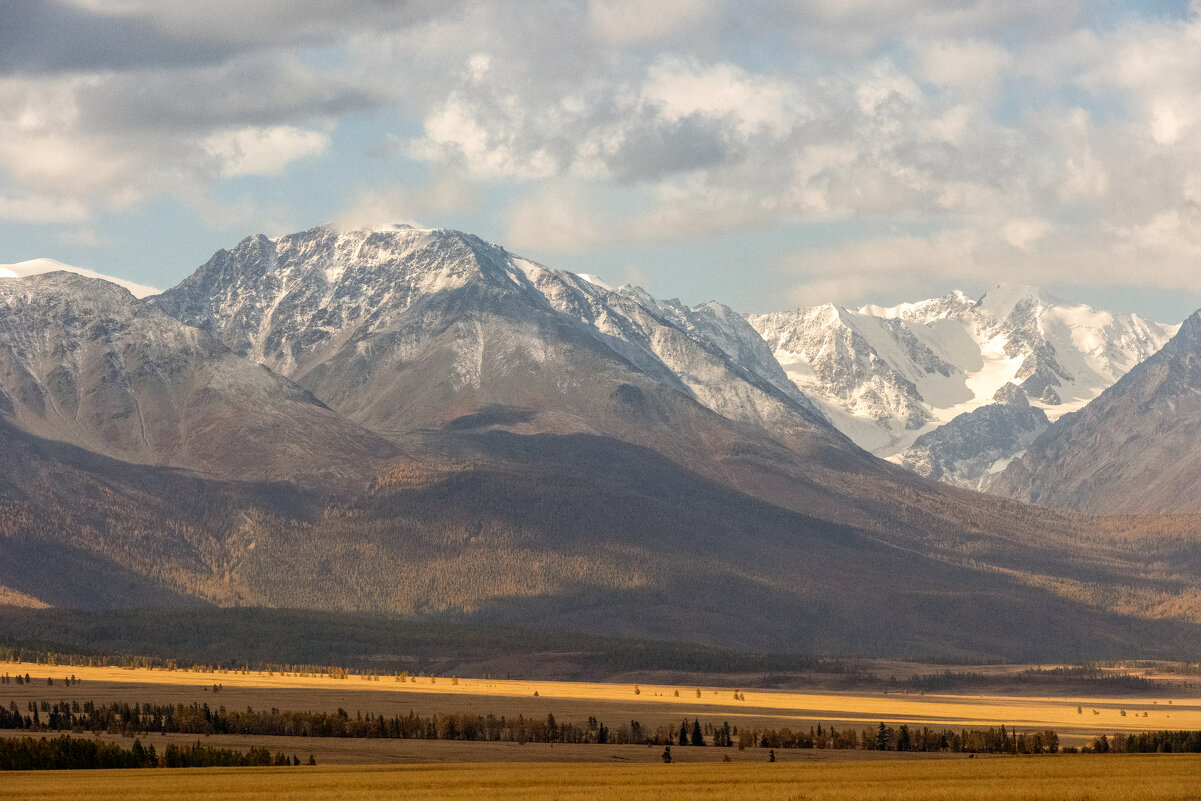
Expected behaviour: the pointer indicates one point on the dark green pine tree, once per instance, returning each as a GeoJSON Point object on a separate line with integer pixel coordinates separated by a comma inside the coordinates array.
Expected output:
{"type": "Point", "coordinates": [684, 732]}
{"type": "Point", "coordinates": [698, 737]}
{"type": "Point", "coordinates": [882, 738]}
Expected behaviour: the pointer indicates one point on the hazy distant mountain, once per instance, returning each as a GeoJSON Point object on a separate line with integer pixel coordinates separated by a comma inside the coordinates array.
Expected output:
{"type": "Point", "coordinates": [84, 362]}
{"type": "Point", "coordinates": [887, 376]}
{"type": "Point", "coordinates": [1136, 448]}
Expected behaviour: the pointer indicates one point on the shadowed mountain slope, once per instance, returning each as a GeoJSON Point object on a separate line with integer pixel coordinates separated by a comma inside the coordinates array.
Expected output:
{"type": "Point", "coordinates": [506, 529]}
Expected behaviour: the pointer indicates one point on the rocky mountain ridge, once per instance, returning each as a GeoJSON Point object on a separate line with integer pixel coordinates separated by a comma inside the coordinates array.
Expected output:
{"type": "Point", "coordinates": [359, 317]}
{"type": "Point", "coordinates": [894, 380]}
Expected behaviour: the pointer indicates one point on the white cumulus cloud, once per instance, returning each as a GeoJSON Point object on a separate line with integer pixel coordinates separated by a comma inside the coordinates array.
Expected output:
{"type": "Point", "coordinates": [263, 151]}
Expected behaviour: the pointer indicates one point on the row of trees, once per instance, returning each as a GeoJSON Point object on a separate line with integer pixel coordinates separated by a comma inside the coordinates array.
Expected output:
{"type": "Point", "coordinates": [1088, 675]}
{"type": "Point", "coordinates": [1149, 742]}
{"type": "Point", "coordinates": [129, 720]}
{"type": "Point", "coordinates": [994, 740]}
{"type": "Point", "coordinates": [73, 753]}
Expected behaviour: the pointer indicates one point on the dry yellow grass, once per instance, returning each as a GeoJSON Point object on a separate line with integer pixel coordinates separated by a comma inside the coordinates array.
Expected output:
{"type": "Point", "coordinates": [613, 702]}
{"type": "Point", "coordinates": [1099, 778]}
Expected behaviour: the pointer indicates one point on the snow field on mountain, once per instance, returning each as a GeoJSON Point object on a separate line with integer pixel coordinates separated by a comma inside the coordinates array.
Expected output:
{"type": "Point", "coordinates": [885, 376]}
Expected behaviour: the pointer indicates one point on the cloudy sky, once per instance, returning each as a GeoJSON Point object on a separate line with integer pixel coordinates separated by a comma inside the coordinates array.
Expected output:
{"type": "Point", "coordinates": [768, 154]}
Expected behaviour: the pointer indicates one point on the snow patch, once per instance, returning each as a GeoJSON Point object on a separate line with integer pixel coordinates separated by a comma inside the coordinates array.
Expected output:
{"type": "Point", "coordinates": [595, 281]}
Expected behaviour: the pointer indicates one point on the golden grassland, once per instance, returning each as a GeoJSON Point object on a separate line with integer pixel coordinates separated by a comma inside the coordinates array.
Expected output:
{"type": "Point", "coordinates": [1076, 718]}
{"type": "Point", "coordinates": [1060, 778]}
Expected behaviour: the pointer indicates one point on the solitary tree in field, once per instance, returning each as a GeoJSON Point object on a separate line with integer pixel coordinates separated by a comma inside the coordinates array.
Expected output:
{"type": "Point", "coordinates": [667, 754]}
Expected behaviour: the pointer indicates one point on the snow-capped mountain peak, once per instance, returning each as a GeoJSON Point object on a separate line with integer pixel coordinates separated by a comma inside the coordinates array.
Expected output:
{"type": "Point", "coordinates": [1004, 299]}
{"type": "Point", "coordinates": [41, 266]}
{"type": "Point", "coordinates": [594, 280]}
{"type": "Point", "coordinates": [1133, 449]}
{"type": "Point", "coordinates": [354, 315]}
{"type": "Point", "coordinates": [889, 375]}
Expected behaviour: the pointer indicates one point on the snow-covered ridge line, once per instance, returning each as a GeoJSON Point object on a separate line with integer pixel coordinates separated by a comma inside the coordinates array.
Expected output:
{"type": "Point", "coordinates": [351, 315]}
{"type": "Point", "coordinates": [885, 376]}
{"type": "Point", "coordinates": [40, 266]}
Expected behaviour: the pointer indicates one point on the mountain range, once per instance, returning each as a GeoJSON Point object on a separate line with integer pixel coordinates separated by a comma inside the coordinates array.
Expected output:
{"type": "Point", "coordinates": [945, 386]}
{"type": "Point", "coordinates": [418, 422]}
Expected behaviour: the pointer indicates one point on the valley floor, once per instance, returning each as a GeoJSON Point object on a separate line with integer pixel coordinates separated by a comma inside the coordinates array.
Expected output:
{"type": "Point", "coordinates": [1054, 778]}
{"type": "Point", "coordinates": [1077, 718]}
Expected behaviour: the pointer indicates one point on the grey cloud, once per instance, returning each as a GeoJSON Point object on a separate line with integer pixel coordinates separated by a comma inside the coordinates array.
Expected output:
{"type": "Point", "coordinates": [252, 90]}
{"type": "Point", "coordinates": [39, 36]}
{"type": "Point", "coordinates": [53, 36]}
{"type": "Point", "coordinates": [657, 148]}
